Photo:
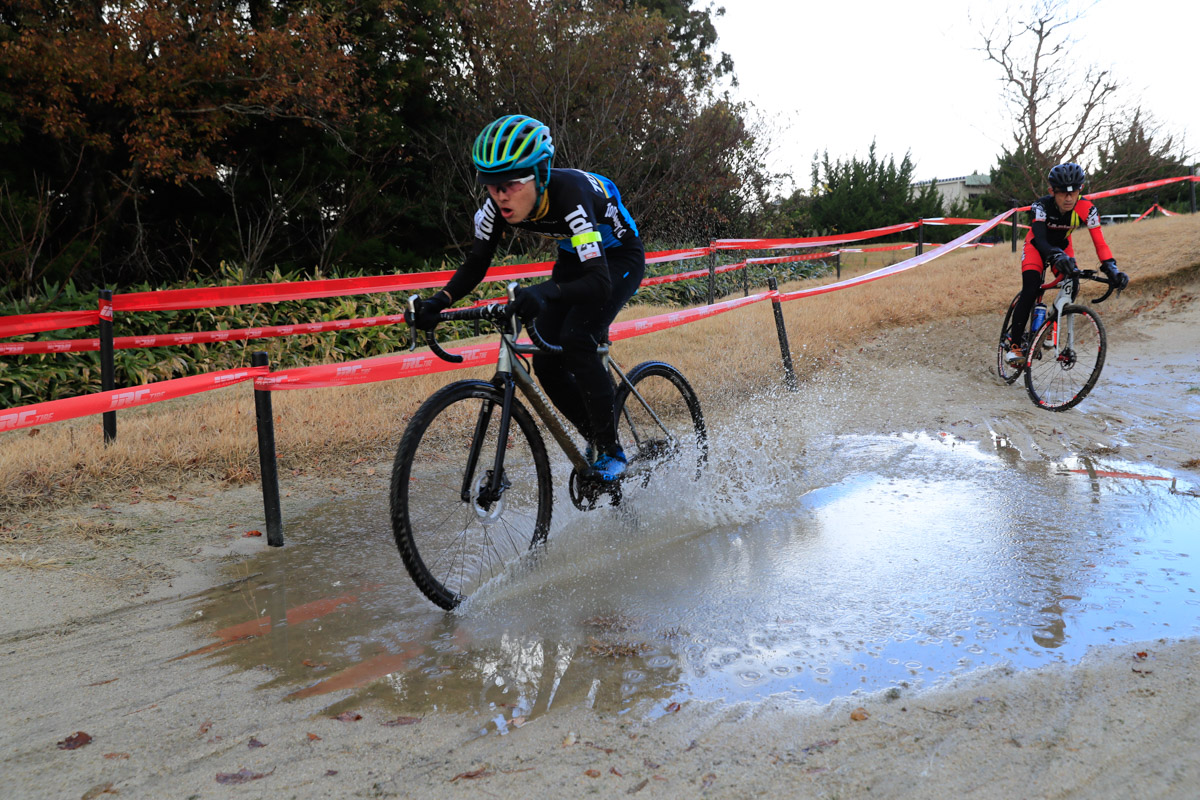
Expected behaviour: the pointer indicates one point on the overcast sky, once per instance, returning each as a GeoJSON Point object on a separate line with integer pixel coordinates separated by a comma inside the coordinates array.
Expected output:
{"type": "Point", "coordinates": [833, 76]}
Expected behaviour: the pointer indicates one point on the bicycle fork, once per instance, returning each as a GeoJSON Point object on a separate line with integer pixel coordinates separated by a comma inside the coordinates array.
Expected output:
{"type": "Point", "coordinates": [493, 489]}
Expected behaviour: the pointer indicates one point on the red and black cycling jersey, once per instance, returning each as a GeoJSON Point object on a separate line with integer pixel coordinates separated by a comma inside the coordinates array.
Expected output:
{"type": "Point", "coordinates": [583, 211]}
{"type": "Point", "coordinates": [1050, 229]}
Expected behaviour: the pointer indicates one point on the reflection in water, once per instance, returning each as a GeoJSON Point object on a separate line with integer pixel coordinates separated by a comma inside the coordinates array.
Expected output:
{"type": "Point", "coordinates": [859, 564]}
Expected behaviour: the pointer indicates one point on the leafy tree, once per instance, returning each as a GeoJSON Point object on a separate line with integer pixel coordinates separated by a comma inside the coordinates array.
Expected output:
{"type": "Point", "coordinates": [156, 139]}
{"type": "Point", "coordinates": [692, 34]}
{"type": "Point", "coordinates": [872, 193]}
{"type": "Point", "coordinates": [620, 100]}
{"type": "Point", "coordinates": [117, 110]}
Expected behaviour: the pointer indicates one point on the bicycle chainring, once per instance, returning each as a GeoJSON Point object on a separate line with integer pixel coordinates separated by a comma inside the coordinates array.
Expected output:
{"type": "Point", "coordinates": [586, 491]}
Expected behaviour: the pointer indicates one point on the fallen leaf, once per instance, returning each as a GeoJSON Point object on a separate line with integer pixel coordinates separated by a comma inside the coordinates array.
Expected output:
{"type": "Point", "coordinates": [308, 662]}
{"type": "Point", "coordinates": [253, 743]}
{"type": "Point", "coordinates": [637, 787]}
{"type": "Point", "coordinates": [1141, 655]}
{"type": "Point", "coordinates": [392, 723]}
{"type": "Point", "coordinates": [329, 773]}
{"type": "Point", "coordinates": [707, 780]}
{"type": "Point", "coordinates": [112, 756]}
{"type": "Point", "coordinates": [241, 776]}
{"type": "Point", "coordinates": [75, 741]}
{"type": "Point", "coordinates": [569, 739]}
{"type": "Point", "coordinates": [204, 726]}
{"type": "Point", "coordinates": [252, 533]}
{"type": "Point", "coordinates": [349, 716]}
{"type": "Point", "coordinates": [312, 737]}
{"type": "Point", "coordinates": [672, 708]}
{"type": "Point", "coordinates": [592, 773]}
{"type": "Point", "coordinates": [473, 774]}
{"type": "Point", "coordinates": [616, 772]}
{"type": "Point", "coordinates": [859, 714]}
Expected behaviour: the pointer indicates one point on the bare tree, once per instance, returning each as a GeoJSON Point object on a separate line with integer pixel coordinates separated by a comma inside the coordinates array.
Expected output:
{"type": "Point", "coordinates": [1058, 104]}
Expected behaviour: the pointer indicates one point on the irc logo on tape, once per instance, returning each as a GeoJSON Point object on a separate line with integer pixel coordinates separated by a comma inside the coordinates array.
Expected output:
{"type": "Point", "coordinates": [16, 420]}
{"type": "Point", "coordinates": [122, 399]}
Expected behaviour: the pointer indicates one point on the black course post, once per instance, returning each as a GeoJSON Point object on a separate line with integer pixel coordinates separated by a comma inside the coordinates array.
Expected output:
{"type": "Point", "coordinates": [1155, 207]}
{"type": "Point", "coordinates": [266, 457]}
{"type": "Point", "coordinates": [838, 263]}
{"type": "Point", "coordinates": [712, 277]}
{"type": "Point", "coordinates": [1193, 189]}
{"type": "Point", "coordinates": [108, 378]}
{"type": "Point", "coordinates": [789, 373]}
{"type": "Point", "coordinates": [1012, 203]}
{"type": "Point", "coordinates": [920, 236]}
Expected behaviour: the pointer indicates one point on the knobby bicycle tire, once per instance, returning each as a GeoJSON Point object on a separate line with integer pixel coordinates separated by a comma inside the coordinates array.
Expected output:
{"type": "Point", "coordinates": [1007, 372]}
{"type": "Point", "coordinates": [647, 445]}
{"type": "Point", "coordinates": [450, 541]}
{"type": "Point", "coordinates": [1058, 381]}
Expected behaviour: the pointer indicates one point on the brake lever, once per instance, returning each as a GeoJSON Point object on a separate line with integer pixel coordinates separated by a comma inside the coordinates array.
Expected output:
{"type": "Point", "coordinates": [410, 317]}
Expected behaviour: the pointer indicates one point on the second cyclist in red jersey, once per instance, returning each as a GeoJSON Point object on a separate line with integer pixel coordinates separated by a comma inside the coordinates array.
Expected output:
{"type": "Point", "coordinates": [1054, 218]}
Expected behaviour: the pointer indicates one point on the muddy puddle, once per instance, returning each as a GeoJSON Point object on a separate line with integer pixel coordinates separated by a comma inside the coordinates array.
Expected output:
{"type": "Point", "coordinates": [848, 564]}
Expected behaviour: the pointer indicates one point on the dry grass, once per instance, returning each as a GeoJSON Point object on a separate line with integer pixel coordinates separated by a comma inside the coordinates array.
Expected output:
{"type": "Point", "coordinates": [211, 437]}
{"type": "Point", "coordinates": [27, 561]}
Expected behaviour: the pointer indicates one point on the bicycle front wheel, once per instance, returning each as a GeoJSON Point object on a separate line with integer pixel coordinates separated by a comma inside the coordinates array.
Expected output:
{"type": "Point", "coordinates": [659, 420]}
{"type": "Point", "coordinates": [1065, 358]}
{"type": "Point", "coordinates": [455, 532]}
{"type": "Point", "coordinates": [1007, 372]}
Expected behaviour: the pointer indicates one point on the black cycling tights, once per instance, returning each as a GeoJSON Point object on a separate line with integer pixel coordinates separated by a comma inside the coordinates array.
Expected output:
{"type": "Point", "coordinates": [1031, 287]}
{"type": "Point", "coordinates": [577, 381]}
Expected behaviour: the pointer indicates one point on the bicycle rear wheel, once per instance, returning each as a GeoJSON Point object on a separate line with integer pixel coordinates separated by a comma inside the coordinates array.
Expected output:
{"type": "Point", "coordinates": [668, 427]}
{"type": "Point", "coordinates": [1065, 358]}
{"type": "Point", "coordinates": [1007, 372]}
{"type": "Point", "coordinates": [451, 536]}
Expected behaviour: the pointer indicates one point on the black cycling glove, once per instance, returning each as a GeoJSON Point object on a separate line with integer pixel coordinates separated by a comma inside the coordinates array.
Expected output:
{"type": "Point", "coordinates": [429, 312]}
{"type": "Point", "coordinates": [1118, 279]}
{"type": "Point", "coordinates": [1063, 264]}
{"type": "Point", "coordinates": [528, 301]}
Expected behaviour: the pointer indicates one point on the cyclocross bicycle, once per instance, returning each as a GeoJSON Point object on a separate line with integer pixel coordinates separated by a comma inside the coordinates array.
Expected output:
{"type": "Point", "coordinates": [471, 484]}
{"type": "Point", "coordinates": [1065, 355]}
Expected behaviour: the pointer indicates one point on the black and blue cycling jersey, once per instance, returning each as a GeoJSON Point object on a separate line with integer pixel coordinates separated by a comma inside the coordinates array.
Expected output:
{"type": "Point", "coordinates": [582, 211]}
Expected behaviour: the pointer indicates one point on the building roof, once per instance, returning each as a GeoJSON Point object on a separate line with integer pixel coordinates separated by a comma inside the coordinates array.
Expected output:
{"type": "Point", "coordinates": [974, 179]}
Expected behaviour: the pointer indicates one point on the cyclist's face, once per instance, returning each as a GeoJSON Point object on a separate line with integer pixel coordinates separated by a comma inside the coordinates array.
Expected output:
{"type": "Point", "coordinates": [1066, 200]}
{"type": "Point", "coordinates": [515, 199]}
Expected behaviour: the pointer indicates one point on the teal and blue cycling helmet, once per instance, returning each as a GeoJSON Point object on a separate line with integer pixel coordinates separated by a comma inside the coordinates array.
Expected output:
{"type": "Point", "coordinates": [514, 146]}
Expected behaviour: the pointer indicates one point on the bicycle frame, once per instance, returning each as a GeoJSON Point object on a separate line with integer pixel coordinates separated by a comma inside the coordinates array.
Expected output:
{"type": "Point", "coordinates": [1066, 295]}
{"type": "Point", "coordinates": [512, 374]}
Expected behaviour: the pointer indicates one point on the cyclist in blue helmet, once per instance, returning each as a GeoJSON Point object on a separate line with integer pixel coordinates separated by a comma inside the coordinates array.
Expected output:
{"type": "Point", "coordinates": [600, 263]}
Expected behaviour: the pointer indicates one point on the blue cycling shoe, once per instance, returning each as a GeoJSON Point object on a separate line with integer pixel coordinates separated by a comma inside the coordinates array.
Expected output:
{"type": "Point", "coordinates": [609, 467]}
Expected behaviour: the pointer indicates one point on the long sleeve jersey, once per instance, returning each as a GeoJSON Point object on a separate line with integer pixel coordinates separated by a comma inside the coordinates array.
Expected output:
{"type": "Point", "coordinates": [1050, 229]}
{"type": "Point", "coordinates": [575, 206]}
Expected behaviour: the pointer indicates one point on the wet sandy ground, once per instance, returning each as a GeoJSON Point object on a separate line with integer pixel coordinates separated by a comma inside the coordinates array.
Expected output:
{"type": "Point", "coordinates": [902, 521]}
